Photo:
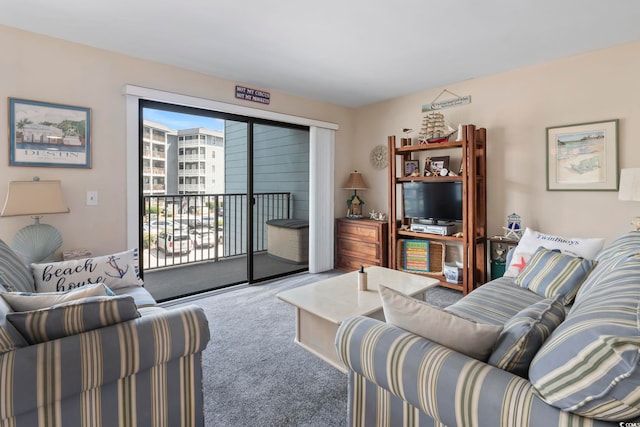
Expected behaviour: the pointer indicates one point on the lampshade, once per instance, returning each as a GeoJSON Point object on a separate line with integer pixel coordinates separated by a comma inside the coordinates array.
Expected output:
{"type": "Point", "coordinates": [629, 185]}
{"type": "Point", "coordinates": [36, 242]}
{"type": "Point", "coordinates": [34, 198]}
{"type": "Point", "coordinates": [355, 182]}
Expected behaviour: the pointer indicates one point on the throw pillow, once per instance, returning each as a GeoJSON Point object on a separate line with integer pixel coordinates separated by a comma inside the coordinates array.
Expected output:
{"type": "Point", "coordinates": [27, 301]}
{"type": "Point", "coordinates": [532, 240]}
{"type": "Point", "coordinates": [524, 334]}
{"type": "Point", "coordinates": [73, 317]}
{"type": "Point", "coordinates": [551, 273]}
{"type": "Point", "coordinates": [14, 275]}
{"type": "Point", "coordinates": [462, 335]}
{"type": "Point", "coordinates": [115, 270]}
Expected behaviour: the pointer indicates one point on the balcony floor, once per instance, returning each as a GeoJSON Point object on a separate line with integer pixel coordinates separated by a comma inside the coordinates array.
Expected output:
{"type": "Point", "coordinates": [173, 282]}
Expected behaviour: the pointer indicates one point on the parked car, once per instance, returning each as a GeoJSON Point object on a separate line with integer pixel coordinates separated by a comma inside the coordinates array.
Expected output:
{"type": "Point", "coordinates": [204, 237]}
{"type": "Point", "coordinates": [166, 226]}
{"type": "Point", "coordinates": [179, 243]}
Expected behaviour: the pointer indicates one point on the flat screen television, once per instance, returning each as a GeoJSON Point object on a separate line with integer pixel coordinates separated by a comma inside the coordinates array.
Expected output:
{"type": "Point", "coordinates": [438, 201]}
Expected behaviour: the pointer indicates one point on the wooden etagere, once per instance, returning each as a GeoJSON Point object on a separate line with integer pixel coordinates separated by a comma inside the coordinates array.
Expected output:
{"type": "Point", "coordinates": [472, 149]}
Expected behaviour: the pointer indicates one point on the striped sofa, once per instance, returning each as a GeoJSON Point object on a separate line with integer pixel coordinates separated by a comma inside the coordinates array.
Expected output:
{"type": "Point", "coordinates": [586, 373]}
{"type": "Point", "coordinates": [142, 368]}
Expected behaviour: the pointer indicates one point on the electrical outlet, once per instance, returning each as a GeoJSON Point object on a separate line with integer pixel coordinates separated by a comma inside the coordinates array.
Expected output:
{"type": "Point", "coordinates": [92, 198]}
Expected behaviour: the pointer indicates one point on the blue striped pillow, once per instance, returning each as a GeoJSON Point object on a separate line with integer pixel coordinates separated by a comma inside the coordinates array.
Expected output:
{"type": "Point", "coordinates": [524, 334]}
{"type": "Point", "coordinates": [14, 275]}
{"type": "Point", "coordinates": [73, 317]}
{"type": "Point", "coordinates": [10, 338]}
{"type": "Point", "coordinates": [551, 273]}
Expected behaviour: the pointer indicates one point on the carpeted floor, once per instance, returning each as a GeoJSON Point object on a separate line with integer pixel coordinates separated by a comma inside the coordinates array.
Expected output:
{"type": "Point", "coordinates": [254, 373]}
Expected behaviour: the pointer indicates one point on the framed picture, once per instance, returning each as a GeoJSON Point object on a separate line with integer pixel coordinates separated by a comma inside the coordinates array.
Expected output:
{"type": "Point", "coordinates": [44, 134]}
{"type": "Point", "coordinates": [438, 163]}
{"type": "Point", "coordinates": [583, 157]}
{"type": "Point", "coordinates": [411, 167]}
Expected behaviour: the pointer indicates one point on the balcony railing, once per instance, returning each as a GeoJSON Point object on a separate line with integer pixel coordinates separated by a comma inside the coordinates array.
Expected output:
{"type": "Point", "coordinates": [184, 229]}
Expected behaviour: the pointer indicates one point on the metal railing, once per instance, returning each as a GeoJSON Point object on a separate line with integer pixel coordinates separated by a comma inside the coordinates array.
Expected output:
{"type": "Point", "coordinates": [185, 229]}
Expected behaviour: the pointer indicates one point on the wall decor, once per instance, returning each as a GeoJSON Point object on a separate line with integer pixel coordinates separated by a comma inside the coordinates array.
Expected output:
{"type": "Point", "coordinates": [411, 168]}
{"type": "Point", "coordinates": [378, 157]}
{"type": "Point", "coordinates": [583, 157]}
{"type": "Point", "coordinates": [44, 134]}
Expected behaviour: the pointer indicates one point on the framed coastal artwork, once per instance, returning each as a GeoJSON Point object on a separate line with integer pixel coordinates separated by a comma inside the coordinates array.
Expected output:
{"type": "Point", "coordinates": [45, 134]}
{"type": "Point", "coordinates": [583, 157]}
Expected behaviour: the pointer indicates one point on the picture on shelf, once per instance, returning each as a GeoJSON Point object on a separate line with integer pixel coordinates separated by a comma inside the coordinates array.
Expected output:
{"type": "Point", "coordinates": [411, 168]}
{"type": "Point", "coordinates": [416, 255]}
{"type": "Point", "coordinates": [438, 163]}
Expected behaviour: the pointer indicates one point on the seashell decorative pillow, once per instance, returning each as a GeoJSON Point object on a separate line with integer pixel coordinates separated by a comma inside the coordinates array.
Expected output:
{"type": "Point", "coordinates": [116, 271]}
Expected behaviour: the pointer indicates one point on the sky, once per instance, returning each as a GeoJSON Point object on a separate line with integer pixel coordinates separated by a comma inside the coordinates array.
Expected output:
{"type": "Point", "coordinates": [177, 121]}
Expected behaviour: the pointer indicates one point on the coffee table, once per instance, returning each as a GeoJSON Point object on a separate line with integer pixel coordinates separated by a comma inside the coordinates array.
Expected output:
{"type": "Point", "coordinates": [322, 306]}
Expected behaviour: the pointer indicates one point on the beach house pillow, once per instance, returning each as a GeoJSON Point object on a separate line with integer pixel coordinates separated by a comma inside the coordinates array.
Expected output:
{"type": "Point", "coordinates": [532, 240]}
{"type": "Point", "coordinates": [524, 334]}
{"type": "Point", "coordinates": [450, 330]}
{"type": "Point", "coordinates": [116, 271]}
{"type": "Point", "coordinates": [27, 301]}
{"type": "Point", "coordinates": [552, 273]}
{"type": "Point", "coordinates": [73, 317]}
{"type": "Point", "coordinates": [14, 275]}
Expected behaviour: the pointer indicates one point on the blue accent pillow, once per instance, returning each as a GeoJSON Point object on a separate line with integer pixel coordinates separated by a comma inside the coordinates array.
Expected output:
{"type": "Point", "coordinates": [524, 334]}
{"type": "Point", "coordinates": [550, 273]}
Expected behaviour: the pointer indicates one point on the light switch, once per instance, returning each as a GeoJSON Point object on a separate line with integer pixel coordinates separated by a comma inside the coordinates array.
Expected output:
{"type": "Point", "coordinates": [92, 198]}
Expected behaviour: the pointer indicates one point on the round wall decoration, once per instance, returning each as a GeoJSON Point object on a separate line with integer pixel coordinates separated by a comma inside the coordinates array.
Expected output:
{"type": "Point", "coordinates": [378, 157]}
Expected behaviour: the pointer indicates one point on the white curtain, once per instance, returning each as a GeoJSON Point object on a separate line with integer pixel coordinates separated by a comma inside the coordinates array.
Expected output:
{"type": "Point", "coordinates": [321, 222]}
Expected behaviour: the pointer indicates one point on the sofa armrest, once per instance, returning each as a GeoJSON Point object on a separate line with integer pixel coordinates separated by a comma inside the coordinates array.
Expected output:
{"type": "Point", "coordinates": [40, 374]}
{"type": "Point", "coordinates": [450, 387]}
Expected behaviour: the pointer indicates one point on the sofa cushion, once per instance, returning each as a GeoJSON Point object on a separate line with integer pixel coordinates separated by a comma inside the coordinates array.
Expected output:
{"type": "Point", "coordinates": [462, 335]}
{"type": "Point", "coordinates": [10, 338]}
{"type": "Point", "coordinates": [14, 275]}
{"type": "Point", "coordinates": [610, 257]}
{"type": "Point", "coordinates": [27, 301]}
{"type": "Point", "coordinates": [551, 273]}
{"type": "Point", "coordinates": [73, 317]}
{"type": "Point", "coordinates": [494, 302]}
{"type": "Point", "coordinates": [524, 334]}
{"type": "Point", "coordinates": [532, 240]}
{"type": "Point", "coordinates": [591, 363]}
{"type": "Point", "coordinates": [116, 270]}
{"type": "Point", "coordinates": [141, 296]}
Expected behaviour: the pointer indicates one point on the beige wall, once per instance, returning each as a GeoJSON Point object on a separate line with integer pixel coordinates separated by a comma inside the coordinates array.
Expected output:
{"type": "Point", "coordinates": [46, 69]}
{"type": "Point", "coordinates": [516, 107]}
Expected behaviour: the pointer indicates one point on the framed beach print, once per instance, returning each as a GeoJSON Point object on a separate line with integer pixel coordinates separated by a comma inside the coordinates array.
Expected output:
{"type": "Point", "coordinates": [44, 134]}
{"type": "Point", "coordinates": [438, 163]}
{"type": "Point", "coordinates": [583, 157]}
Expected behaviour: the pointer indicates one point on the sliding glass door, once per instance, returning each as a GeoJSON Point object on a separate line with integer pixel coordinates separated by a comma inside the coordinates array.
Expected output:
{"type": "Point", "coordinates": [214, 189]}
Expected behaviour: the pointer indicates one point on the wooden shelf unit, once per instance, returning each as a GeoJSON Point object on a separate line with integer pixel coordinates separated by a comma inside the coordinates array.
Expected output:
{"type": "Point", "coordinates": [472, 149]}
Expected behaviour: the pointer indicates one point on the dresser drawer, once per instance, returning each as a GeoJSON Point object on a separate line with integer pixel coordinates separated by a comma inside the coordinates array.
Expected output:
{"type": "Point", "coordinates": [354, 248]}
{"type": "Point", "coordinates": [352, 264]}
{"type": "Point", "coordinates": [359, 231]}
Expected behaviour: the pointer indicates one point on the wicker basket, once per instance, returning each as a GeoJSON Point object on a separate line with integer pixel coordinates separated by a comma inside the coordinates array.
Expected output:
{"type": "Point", "coordinates": [436, 258]}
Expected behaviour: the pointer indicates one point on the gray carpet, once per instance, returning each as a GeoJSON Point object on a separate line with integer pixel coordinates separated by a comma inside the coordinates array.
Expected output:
{"type": "Point", "coordinates": [255, 375]}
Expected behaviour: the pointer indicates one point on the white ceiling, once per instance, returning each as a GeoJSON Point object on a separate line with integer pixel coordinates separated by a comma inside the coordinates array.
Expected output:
{"type": "Point", "coordinates": [348, 52]}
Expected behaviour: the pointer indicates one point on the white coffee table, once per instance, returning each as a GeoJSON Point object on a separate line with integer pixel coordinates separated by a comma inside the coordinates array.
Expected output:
{"type": "Point", "coordinates": [322, 306]}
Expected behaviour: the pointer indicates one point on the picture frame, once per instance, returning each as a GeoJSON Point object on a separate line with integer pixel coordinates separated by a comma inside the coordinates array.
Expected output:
{"type": "Point", "coordinates": [410, 167]}
{"type": "Point", "coordinates": [583, 157]}
{"type": "Point", "coordinates": [438, 163]}
{"type": "Point", "coordinates": [50, 135]}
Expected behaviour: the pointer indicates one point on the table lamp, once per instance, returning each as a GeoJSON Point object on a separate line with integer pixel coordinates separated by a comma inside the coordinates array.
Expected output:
{"type": "Point", "coordinates": [630, 190]}
{"type": "Point", "coordinates": [355, 183]}
{"type": "Point", "coordinates": [36, 242]}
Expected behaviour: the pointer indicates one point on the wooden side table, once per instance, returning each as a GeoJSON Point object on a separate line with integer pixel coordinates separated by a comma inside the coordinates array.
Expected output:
{"type": "Point", "coordinates": [361, 242]}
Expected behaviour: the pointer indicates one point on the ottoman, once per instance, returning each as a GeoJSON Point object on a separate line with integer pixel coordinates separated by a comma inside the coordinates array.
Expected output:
{"type": "Point", "coordinates": [288, 239]}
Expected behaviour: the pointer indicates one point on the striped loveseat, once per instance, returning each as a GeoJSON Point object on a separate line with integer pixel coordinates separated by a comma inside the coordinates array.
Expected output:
{"type": "Point", "coordinates": [586, 372]}
{"type": "Point", "coordinates": [140, 367]}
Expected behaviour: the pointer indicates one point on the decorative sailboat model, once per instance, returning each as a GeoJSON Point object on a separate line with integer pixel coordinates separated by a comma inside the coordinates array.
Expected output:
{"type": "Point", "coordinates": [435, 129]}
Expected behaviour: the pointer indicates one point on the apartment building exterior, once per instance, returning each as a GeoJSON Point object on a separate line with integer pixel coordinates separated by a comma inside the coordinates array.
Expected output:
{"type": "Point", "coordinates": [155, 143]}
{"type": "Point", "coordinates": [200, 158]}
